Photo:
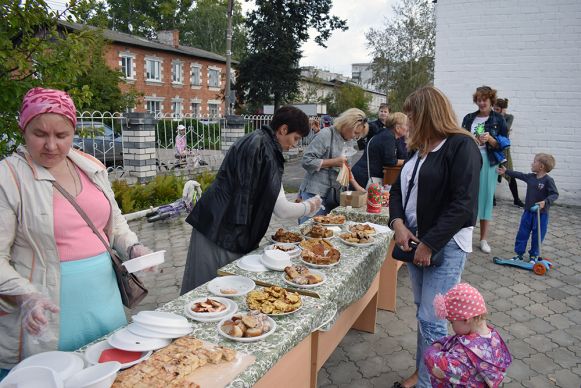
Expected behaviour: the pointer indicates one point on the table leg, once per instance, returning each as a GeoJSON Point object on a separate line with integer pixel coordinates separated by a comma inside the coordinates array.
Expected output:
{"type": "Point", "coordinates": [388, 281]}
{"type": "Point", "coordinates": [292, 370]}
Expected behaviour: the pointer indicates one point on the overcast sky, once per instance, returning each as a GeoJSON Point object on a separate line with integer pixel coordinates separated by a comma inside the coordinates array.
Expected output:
{"type": "Point", "coordinates": [346, 47]}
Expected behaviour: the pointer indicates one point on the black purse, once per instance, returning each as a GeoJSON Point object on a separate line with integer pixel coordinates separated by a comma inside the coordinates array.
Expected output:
{"type": "Point", "coordinates": [398, 253]}
{"type": "Point", "coordinates": [333, 194]}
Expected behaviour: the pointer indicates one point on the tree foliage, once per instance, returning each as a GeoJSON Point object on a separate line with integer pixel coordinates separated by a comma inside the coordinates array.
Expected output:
{"type": "Point", "coordinates": [206, 27]}
{"type": "Point", "coordinates": [269, 73]}
{"type": "Point", "coordinates": [347, 96]}
{"type": "Point", "coordinates": [403, 51]}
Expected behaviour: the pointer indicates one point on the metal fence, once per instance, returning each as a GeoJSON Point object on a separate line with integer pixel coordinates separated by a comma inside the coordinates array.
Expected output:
{"type": "Point", "coordinates": [101, 135]}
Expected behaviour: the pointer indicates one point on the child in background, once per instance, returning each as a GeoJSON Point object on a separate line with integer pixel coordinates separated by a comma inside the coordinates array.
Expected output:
{"type": "Point", "coordinates": [180, 142]}
{"type": "Point", "coordinates": [541, 190]}
{"type": "Point", "coordinates": [476, 356]}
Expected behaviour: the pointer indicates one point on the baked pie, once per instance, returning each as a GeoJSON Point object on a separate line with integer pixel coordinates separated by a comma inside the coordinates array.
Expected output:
{"type": "Point", "coordinates": [299, 274]}
{"type": "Point", "coordinates": [336, 219]}
{"type": "Point", "coordinates": [273, 300]}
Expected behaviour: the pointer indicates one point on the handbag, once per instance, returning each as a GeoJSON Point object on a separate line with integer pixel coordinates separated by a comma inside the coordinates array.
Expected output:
{"type": "Point", "coordinates": [131, 288]}
{"type": "Point", "coordinates": [333, 194]}
{"type": "Point", "coordinates": [371, 180]}
{"type": "Point", "coordinates": [398, 253]}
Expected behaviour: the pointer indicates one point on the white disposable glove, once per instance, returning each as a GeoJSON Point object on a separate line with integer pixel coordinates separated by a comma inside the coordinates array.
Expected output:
{"type": "Point", "coordinates": [141, 250]}
{"type": "Point", "coordinates": [313, 204]}
{"type": "Point", "coordinates": [33, 308]}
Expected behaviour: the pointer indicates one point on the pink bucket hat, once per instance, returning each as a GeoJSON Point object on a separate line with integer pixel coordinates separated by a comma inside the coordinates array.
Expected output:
{"type": "Point", "coordinates": [39, 100]}
{"type": "Point", "coordinates": [461, 302]}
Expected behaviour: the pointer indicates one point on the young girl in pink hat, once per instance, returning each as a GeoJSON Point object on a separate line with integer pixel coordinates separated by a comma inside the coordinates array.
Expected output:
{"type": "Point", "coordinates": [476, 356]}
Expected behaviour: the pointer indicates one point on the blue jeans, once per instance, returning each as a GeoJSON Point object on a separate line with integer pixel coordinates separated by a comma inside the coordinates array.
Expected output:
{"type": "Point", "coordinates": [528, 227]}
{"type": "Point", "coordinates": [304, 196]}
{"type": "Point", "coordinates": [426, 283]}
{"type": "Point", "coordinates": [3, 373]}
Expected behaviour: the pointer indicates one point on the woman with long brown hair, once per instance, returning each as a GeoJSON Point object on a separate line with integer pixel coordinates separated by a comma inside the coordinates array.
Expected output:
{"type": "Point", "coordinates": [434, 204]}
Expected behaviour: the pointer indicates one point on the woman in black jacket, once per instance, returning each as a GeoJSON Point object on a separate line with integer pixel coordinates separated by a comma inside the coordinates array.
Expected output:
{"type": "Point", "coordinates": [441, 204]}
{"type": "Point", "coordinates": [233, 214]}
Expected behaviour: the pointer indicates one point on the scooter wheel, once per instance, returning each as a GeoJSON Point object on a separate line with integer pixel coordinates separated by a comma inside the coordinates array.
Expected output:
{"type": "Point", "coordinates": [539, 269]}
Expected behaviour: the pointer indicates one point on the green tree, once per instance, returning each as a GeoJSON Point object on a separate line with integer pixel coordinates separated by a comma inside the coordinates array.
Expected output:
{"type": "Point", "coordinates": [347, 96]}
{"type": "Point", "coordinates": [35, 52]}
{"type": "Point", "coordinates": [145, 17]}
{"type": "Point", "coordinates": [103, 82]}
{"type": "Point", "coordinates": [206, 25]}
{"type": "Point", "coordinates": [269, 73]}
{"type": "Point", "coordinates": [403, 51]}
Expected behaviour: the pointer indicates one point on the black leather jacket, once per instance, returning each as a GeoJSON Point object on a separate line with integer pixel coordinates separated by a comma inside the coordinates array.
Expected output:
{"type": "Point", "coordinates": [495, 125]}
{"type": "Point", "coordinates": [234, 212]}
{"type": "Point", "coordinates": [448, 184]}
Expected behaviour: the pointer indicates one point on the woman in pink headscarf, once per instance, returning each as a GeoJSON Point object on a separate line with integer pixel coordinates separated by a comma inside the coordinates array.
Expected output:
{"type": "Point", "coordinates": [57, 285]}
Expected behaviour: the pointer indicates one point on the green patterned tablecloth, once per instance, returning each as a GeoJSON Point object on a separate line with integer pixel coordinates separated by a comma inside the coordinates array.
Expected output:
{"type": "Point", "coordinates": [359, 214]}
{"type": "Point", "coordinates": [346, 282]}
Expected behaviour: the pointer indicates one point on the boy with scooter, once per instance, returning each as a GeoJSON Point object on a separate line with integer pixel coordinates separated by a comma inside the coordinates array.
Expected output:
{"type": "Point", "coordinates": [541, 193]}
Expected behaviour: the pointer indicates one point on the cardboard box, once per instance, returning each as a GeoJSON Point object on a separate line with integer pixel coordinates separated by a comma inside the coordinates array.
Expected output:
{"type": "Point", "coordinates": [353, 198]}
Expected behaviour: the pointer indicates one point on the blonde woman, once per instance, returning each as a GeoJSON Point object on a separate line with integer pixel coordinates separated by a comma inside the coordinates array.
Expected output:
{"type": "Point", "coordinates": [434, 203]}
{"type": "Point", "coordinates": [381, 150]}
{"type": "Point", "coordinates": [324, 157]}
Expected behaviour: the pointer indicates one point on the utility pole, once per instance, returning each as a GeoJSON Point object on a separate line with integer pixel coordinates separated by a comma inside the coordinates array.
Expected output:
{"type": "Point", "coordinates": [229, 97]}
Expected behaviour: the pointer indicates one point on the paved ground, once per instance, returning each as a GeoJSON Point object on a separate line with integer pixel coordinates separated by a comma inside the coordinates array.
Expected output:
{"type": "Point", "coordinates": [538, 316]}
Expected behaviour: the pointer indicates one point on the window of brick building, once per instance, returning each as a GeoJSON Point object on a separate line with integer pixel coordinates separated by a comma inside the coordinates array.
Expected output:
{"type": "Point", "coordinates": [214, 109]}
{"type": "Point", "coordinates": [195, 75]}
{"type": "Point", "coordinates": [214, 78]}
{"type": "Point", "coordinates": [152, 70]}
{"type": "Point", "coordinates": [195, 109]}
{"type": "Point", "coordinates": [176, 109]}
{"type": "Point", "coordinates": [176, 72]}
{"type": "Point", "coordinates": [153, 106]}
{"type": "Point", "coordinates": [127, 67]}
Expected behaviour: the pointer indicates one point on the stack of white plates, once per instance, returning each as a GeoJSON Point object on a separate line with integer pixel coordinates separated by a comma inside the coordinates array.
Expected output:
{"type": "Point", "coordinates": [231, 308]}
{"type": "Point", "coordinates": [150, 326]}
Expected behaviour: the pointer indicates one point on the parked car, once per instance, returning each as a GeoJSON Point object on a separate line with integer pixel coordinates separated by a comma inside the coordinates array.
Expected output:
{"type": "Point", "coordinates": [99, 139]}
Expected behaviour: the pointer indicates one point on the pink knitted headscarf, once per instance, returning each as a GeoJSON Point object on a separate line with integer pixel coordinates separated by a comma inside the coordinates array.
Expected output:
{"type": "Point", "coordinates": [39, 100]}
{"type": "Point", "coordinates": [461, 302]}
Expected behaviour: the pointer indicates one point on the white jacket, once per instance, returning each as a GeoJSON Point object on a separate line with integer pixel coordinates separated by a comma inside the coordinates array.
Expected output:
{"type": "Point", "coordinates": [29, 260]}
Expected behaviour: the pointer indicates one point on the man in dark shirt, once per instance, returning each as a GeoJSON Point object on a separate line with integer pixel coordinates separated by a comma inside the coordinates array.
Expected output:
{"type": "Point", "coordinates": [375, 126]}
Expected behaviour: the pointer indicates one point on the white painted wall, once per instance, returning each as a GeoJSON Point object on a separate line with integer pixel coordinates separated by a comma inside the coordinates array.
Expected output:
{"type": "Point", "coordinates": [530, 51]}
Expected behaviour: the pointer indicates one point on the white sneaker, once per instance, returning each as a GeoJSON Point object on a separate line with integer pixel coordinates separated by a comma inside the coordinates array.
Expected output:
{"type": "Point", "coordinates": [484, 247]}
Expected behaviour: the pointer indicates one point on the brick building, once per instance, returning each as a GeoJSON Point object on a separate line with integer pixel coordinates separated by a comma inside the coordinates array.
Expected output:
{"type": "Point", "coordinates": [531, 53]}
{"type": "Point", "coordinates": [174, 79]}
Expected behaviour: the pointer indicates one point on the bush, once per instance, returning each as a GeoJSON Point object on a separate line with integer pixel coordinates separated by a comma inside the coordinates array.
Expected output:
{"type": "Point", "coordinates": [162, 190]}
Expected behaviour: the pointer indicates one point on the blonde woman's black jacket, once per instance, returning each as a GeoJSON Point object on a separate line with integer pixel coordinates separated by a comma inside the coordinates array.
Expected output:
{"type": "Point", "coordinates": [234, 212]}
{"type": "Point", "coordinates": [448, 186]}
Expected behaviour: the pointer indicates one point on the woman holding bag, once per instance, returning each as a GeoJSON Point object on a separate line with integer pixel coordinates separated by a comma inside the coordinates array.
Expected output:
{"type": "Point", "coordinates": [381, 151]}
{"type": "Point", "coordinates": [324, 157]}
{"type": "Point", "coordinates": [436, 194]}
{"type": "Point", "coordinates": [57, 285]}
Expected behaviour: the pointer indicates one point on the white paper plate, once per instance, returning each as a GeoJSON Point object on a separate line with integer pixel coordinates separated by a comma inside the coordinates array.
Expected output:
{"type": "Point", "coordinates": [32, 377]}
{"type": "Point", "coordinates": [319, 265]}
{"type": "Point", "coordinates": [156, 332]}
{"type": "Point", "coordinates": [239, 283]}
{"type": "Point", "coordinates": [358, 244]}
{"type": "Point", "coordinates": [279, 267]}
{"type": "Point", "coordinates": [315, 272]}
{"type": "Point", "coordinates": [126, 340]}
{"type": "Point", "coordinates": [293, 253]}
{"type": "Point", "coordinates": [64, 364]}
{"type": "Point", "coordinates": [96, 376]}
{"type": "Point", "coordinates": [145, 261]}
{"type": "Point", "coordinates": [227, 302]}
{"type": "Point", "coordinates": [93, 352]}
{"type": "Point", "coordinates": [246, 339]}
{"type": "Point", "coordinates": [162, 319]}
{"type": "Point", "coordinates": [251, 263]}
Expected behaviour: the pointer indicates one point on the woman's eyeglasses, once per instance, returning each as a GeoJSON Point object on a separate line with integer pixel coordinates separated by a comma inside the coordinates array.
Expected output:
{"type": "Point", "coordinates": [363, 120]}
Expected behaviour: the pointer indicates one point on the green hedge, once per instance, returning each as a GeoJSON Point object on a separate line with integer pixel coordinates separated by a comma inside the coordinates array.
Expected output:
{"type": "Point", "coordinates": [162, 190]}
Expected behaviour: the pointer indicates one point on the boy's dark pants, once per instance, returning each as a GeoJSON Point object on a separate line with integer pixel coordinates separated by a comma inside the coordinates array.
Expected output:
{"type": "Point", "coordinates": [527, 227]}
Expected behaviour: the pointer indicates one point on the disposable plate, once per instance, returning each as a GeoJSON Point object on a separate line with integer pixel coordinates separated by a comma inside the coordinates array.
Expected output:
{"type": "Point", "coordinates": [251, 263]}
{"type": "Point", "coordinates": [126, 340]}
{"type": "Point", "coordinates": [64, 364]}
{"type": "Point", "coordinates": [93, 352]}
{"type": "Point", "coordinates": [241, 284]}
{"type": "Point", "coordinates": [246, 339]}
